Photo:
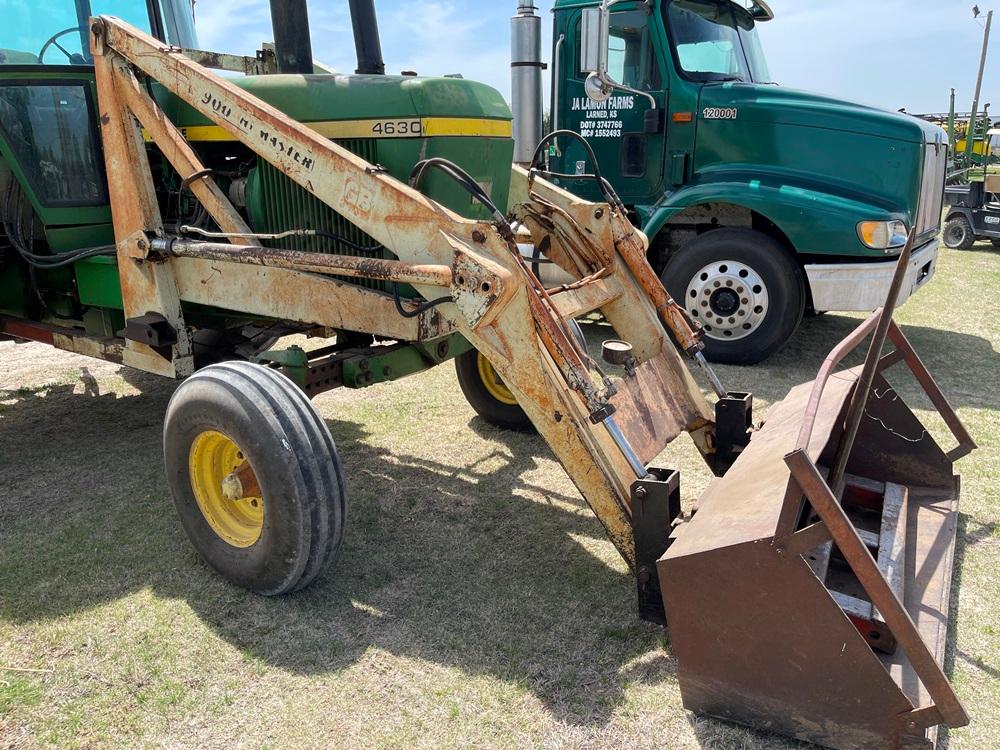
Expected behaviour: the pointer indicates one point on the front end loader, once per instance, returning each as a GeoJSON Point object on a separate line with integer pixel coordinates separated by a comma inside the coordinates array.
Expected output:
{"type": "Point", "coordinates": [808, 592]}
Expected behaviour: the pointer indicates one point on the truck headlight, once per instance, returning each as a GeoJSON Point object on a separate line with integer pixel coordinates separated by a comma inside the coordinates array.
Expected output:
{"type": "Point", "coordinates": [883, 235]}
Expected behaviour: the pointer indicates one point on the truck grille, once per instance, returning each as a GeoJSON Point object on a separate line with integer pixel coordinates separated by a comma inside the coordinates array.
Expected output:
{"type": "Point", "coordinates": [932, 189]}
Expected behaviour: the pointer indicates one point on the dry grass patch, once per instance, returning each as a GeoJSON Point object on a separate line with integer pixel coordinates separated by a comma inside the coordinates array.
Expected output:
{"type": "Point", "coordinates": [476, 603]}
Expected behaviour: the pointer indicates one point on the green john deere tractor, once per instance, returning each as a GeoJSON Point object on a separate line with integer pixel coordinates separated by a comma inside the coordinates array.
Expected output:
{"type": "Point", "coordinates": [57, 264]}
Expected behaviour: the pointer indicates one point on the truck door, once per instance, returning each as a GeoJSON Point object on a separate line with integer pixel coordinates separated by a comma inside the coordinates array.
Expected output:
{"type": "Point", "coordinates": [630, 157]}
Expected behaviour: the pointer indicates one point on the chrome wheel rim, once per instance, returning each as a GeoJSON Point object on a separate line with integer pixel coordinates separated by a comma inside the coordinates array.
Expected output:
{"type": "Point", "coordinates": [729, 299]}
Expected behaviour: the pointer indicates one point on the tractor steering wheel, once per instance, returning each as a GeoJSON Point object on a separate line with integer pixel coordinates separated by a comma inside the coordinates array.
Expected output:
{"type": "Point", "coordinates": [75, 58]}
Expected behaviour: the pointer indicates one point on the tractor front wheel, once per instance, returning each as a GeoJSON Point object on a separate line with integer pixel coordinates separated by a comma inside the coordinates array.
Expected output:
{"type": "Point", "coordinates": [487, 394]}
{"type": "Point", "coordinates": [255, 477]}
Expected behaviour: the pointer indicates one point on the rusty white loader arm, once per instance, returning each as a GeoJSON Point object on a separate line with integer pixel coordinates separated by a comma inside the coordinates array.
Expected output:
{"type": "Point", "coordinates": [837, 520]}
{"type": "Point", "coordinates": [603, 431]}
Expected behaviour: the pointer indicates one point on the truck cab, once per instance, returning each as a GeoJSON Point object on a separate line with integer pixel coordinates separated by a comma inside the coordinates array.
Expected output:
{"type": "Point", "coordinates": [761, 203]}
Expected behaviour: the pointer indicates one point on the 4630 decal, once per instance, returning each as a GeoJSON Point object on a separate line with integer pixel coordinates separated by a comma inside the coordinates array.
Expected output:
{"type": "Point", "coordinates": [396, 128]}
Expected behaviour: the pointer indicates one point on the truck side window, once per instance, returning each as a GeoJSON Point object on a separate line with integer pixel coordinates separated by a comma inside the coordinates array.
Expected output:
{"type": "Point", "coordinates": [49, 129]}
{"type": "Point", "coordinates": [631, 58]}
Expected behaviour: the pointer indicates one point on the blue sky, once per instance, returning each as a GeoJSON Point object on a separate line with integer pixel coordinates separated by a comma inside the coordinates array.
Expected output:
{"type": "Point", "coordinates": [889, 53]}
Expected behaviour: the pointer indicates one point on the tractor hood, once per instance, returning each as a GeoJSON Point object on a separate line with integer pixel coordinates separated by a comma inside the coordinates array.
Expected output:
{"type": "Point", "coordinates": [392, 121]}
{"type": "Point", "coordinates": [774, 105]}
{"type": "Point", "coordinates": [362, 100]}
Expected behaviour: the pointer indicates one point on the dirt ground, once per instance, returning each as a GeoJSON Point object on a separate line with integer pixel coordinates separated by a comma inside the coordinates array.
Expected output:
{"type": "Point", "coordinates": [476, 602]}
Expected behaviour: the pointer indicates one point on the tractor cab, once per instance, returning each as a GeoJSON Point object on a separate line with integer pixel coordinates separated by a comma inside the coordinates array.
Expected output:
{"type": "Point", "coordinates": [48, 120]}
{"type": "Point", "coordinates": [57, 34]}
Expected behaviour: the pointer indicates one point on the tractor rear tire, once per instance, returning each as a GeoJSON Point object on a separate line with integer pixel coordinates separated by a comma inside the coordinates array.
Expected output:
{"type": "Point", "coordinates": [744, 287]}
{"type": "Point", "coordinates": [487, 394]}
{"type": "Point", "coordinates": [958, 234]}
{"type": "Point", "coordinates": [279, 531]}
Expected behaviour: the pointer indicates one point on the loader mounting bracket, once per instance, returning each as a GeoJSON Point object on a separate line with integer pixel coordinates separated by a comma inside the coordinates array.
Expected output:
{"type": "Point", "coordinates": [656, 505]}
{"type": "Point", "coordinates": [734, 424]}
{"type": "Point", "coordinates": [153, 330]}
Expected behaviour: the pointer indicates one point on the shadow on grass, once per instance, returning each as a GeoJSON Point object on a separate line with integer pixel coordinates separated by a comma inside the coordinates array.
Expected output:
{"type": "Point", "coordinates": [444, 563]}
{"type": "Point", "coordinates": [985, 247]}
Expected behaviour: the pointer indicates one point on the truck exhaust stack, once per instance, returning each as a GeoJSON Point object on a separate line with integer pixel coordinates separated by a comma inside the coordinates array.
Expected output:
{"type": "Point", "coordinates": [526, 68]}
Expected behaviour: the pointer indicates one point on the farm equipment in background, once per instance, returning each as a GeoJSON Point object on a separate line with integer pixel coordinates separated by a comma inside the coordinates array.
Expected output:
{"type": "Point", "coordinates": [973, 208]}
{"type": "Point", "coordinates": [809, 592]}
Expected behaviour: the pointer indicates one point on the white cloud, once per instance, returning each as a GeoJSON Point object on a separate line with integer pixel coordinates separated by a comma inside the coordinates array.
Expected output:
{"type": "Point", "coordinates": [891, 53]}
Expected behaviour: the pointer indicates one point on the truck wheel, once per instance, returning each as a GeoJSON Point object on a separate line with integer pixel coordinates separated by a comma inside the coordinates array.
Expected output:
{"type": "Point", "coordinates": [255, 477]}
{"type": "Point", "coordinates": [487, 394]}
{"type": "Point", "coordinates": [996, 244]}
{"type": "Point", "coordinates": [958, 234]}
{"type": "Point", "coordinates": [743, 287]}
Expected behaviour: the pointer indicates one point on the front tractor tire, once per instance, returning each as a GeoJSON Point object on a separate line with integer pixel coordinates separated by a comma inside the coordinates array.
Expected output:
{"type": "Point", "coordinates": [743, 287]}
{"type": "Point", "coordinates": [487, 394]}
{"type": "Point", "coordinates": [255, 477]}
{"type": "Point", "coordinates": [957, 234]}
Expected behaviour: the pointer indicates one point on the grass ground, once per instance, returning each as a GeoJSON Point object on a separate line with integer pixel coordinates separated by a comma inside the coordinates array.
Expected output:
{"type": "Point", "coordinates": [476, 602]}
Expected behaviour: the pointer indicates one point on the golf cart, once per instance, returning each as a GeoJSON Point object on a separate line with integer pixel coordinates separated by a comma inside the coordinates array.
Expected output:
{"type": "Point", "coordinates": [974, 208]}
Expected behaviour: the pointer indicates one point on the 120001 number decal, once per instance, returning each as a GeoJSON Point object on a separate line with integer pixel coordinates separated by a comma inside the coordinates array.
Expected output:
{"type": "Point", "coordinates": [399, 128]}
{"type": "Point", "coordinates": [720, 113]}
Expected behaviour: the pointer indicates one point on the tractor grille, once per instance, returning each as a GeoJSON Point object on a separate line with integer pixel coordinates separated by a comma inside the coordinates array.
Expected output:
{"type": "Point", "coordinates": [279, 204]}
{"type": "Point", "coordinates": [932, 189]}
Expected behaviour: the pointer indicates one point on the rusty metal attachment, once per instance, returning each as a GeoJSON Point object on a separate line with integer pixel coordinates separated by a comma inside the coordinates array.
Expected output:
{"type": "Point", "coordinates": [490, 296]}
{"type": "Point", "coordinates": [792, 595]}
{"type": "Point", "coordinates": [809, 594]}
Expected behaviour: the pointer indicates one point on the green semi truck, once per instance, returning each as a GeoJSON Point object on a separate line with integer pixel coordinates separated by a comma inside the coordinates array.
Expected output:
{"type": "Point", "coordinates": [761, 203]}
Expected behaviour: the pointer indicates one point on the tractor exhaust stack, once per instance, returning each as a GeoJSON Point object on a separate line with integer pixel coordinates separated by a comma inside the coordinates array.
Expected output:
{"type": "Point", "coordinates": [293, 49]}
{"type": "Point", "coordinates": [366, 38]}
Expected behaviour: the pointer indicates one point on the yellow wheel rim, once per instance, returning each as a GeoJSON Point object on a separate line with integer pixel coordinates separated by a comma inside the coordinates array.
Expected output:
{"type": "Point", "coordinates": [213, 457]}
{"type": "Point", "coordinates": [492, 382]}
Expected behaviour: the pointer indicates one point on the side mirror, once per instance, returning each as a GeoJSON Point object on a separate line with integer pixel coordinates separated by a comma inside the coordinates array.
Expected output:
{"type": "Point", "coordinates": [595, 34]}
{"type": "Point", "coordinates": [595, 31]}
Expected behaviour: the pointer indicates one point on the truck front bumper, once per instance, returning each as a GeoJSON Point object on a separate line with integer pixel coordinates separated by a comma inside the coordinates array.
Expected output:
{"type": "Point", "coordinates": [849, 287]}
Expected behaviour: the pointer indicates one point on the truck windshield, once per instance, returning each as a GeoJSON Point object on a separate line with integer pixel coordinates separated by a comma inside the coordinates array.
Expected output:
{"type": "Point", "coordinates": [716, 40]}
{"type": "Point", "coordinates": [55, 32]}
